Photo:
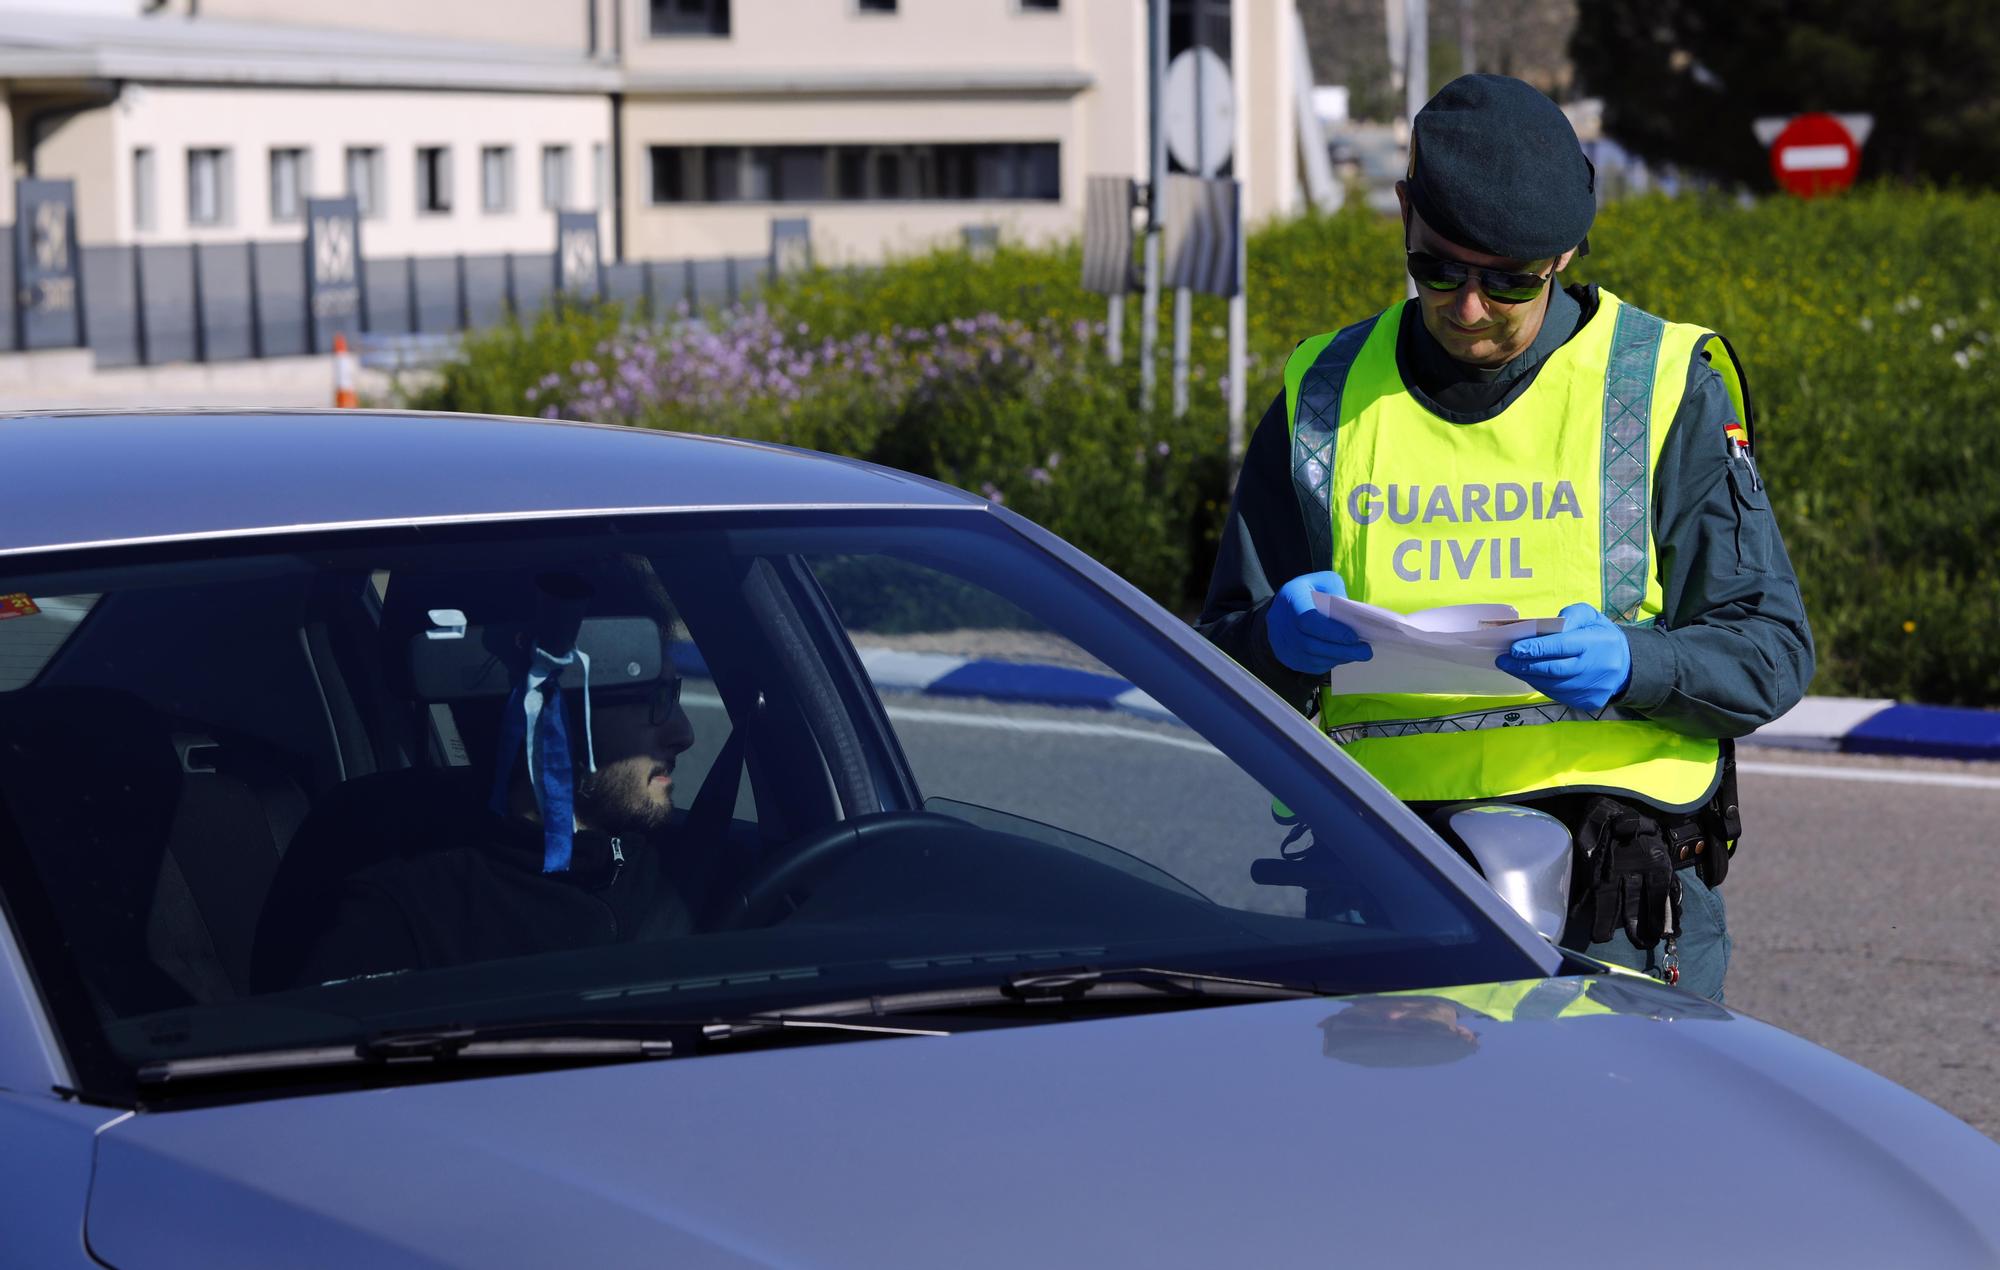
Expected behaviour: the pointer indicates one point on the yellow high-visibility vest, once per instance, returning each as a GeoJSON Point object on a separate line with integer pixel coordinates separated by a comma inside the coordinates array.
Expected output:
{"type": "Point", "coordinates": [1546, 504]}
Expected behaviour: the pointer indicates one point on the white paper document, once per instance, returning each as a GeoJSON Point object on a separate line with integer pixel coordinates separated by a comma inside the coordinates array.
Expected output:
{"type": "Point", "coordinates": [1449, 649]}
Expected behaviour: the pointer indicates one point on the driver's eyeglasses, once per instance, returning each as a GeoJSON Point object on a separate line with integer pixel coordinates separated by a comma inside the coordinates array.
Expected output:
{"type": "Point", "coordinates": [1435, 273]}
{"type": "Point", "coordinates": [665, 700]}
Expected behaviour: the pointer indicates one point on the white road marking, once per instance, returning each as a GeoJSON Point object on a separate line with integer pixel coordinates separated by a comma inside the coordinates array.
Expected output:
{"type": "Point", "coordinates": [1877, 775]}
{"type": "Point", "coordinates": [1061, 727]}
{"type": "Point", "coordinates": [1064, 727]}
{"type": "Point", "coordinates": [1000, 723]}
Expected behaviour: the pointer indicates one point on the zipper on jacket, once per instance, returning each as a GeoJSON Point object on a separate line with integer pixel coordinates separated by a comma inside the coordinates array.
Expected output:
{"type": "Point", "coordinates": [617, 867]}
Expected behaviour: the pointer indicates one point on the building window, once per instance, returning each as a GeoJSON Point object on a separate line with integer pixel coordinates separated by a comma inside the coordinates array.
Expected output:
{"type": "Point", "coordinates": [433, 178]}
{"type": "Point", "coordinates": [364, 178]}
{"type": "Point", "coordinates": [145, 205]}
{"type": "Point", "coordinates": [496, 178]}
{"type": "Point", "coordinates": [874, 6]}
{"type": "Point", "coordinates": [208, 186]}
{"type": "Point", "coordinates": [689, 17]}
{"type": "Point", "coordinates": [555, 177]}
{"type": "Point", "coordinates": [288, 183]}
{"type": "Point", "coordinates": [1040, 6]}
{"type": "Point", "coordinates": [1003, 172]}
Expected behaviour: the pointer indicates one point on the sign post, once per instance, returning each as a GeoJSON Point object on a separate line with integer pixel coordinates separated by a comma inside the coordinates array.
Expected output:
{"type": "Point", "coordinates": [334, 300]}
{"type": "Point", "coordinates": [48, 303]}
{"type": "Point", "coordinates": [579, 266]}
{"type": "Point", "coordinates": [1156, 202]}
{"type": "Point", "coordinates": [1815, 153]}
{"type": "Point", "coordinates": [1200, 126]}
{"type": "Point", "coordinates": [1205, 253]}
{"type": "Point", "coordinates": [791, 246]}
{"type": "Point", "coordinates": [1107, 252]}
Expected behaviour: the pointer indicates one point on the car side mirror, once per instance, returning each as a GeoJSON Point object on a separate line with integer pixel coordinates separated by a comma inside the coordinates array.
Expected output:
{"type": "Point", "coordinates": [1524, 854]}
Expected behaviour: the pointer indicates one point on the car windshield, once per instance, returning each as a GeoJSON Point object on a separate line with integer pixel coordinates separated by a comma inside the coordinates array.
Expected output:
{"type": "Point", "coordinates": [305, 791]}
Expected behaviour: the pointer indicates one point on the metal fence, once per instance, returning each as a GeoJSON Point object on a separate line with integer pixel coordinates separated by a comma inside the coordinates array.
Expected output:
{"type": "Point", "coordinates": [208, 302]}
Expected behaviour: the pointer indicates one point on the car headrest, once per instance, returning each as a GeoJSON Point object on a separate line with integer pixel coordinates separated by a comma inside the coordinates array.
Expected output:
{"type": "Point", "coordinates": [466, 634]}
{"type": "Point", "coordinates": [455, 659]}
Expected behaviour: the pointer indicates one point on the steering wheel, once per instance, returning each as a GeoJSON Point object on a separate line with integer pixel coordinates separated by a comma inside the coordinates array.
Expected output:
{"type": "Point", "coordinates": [765, 895]}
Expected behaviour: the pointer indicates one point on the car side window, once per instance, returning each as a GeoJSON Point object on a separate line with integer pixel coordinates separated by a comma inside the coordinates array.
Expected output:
{"type": "Point", "coordinates": [712, 729]}
{"type": "Point", "coordinates": [1011, 725]}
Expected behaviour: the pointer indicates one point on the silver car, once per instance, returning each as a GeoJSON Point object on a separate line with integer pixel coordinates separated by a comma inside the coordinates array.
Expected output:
{"type": "Point", "coordinates": [442, 841]}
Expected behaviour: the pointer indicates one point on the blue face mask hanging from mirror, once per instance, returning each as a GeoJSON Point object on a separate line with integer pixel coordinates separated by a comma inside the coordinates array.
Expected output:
{"type": "Point", "coordinates": [535, 720]}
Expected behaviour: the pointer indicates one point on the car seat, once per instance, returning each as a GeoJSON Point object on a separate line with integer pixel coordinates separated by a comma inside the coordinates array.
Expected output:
{"type": "Point", "coordinates": [89, 777]}
{"type": "Point", "coordinates": [396, 812]}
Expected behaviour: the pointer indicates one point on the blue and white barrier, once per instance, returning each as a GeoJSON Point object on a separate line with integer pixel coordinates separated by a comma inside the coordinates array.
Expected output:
{"type": "Point", "coordinates": [1852, 725]}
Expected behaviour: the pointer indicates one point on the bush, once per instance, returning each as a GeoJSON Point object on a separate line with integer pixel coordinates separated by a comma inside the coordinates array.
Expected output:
{"type": "Point", "coordinates": [1865, 322]}
{"type": "Point", "coordinates": [1868, 334]}
{"type": "Point", "coordinates": [1028, 413]}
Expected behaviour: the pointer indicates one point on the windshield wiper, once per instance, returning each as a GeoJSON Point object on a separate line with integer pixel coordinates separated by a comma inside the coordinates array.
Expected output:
{"type": "Point", "coordinates": [1050, 987]}
{"type": "Point", "coordinates": [559, 1042]}
{"type": "Point", "coordinates": [613, 1040]}
{"type": "Point", "coordinates": [514, 1043]}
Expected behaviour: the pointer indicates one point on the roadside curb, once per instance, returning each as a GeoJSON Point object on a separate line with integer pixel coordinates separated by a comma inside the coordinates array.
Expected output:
{"type": "Point", "coordinates": [1853, 725]}
{"type": "Point", "coordinates": [942, 675]}
{"type": "Point", "coordinates": [1846, 725]}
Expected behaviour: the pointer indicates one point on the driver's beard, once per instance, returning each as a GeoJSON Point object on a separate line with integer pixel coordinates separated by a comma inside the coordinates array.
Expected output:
{"type": "Point", "coordinates": [617, 800]}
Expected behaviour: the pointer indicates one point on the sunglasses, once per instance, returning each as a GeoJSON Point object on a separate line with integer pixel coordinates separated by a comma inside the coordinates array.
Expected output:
{"type": "Point", "coordinates": [666, 699]}
{"type": "Point", "coordinates": [661, 700]}
{"type": "Point", "coordinates": [1501, 286]}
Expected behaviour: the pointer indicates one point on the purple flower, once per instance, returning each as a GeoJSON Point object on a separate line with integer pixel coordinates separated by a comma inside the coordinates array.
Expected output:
{"type": "Point", "coordinates": [993, 494]}
{"type": "Point", "coordinates": [1163, 449]}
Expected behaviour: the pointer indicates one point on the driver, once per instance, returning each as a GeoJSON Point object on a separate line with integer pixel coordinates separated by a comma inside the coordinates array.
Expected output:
{"type": "Point", "coordinates": [502, 893]}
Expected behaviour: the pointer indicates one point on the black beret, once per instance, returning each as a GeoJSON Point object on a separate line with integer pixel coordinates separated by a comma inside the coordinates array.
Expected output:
{"type": "Point", "coordinates": [1495, 166]}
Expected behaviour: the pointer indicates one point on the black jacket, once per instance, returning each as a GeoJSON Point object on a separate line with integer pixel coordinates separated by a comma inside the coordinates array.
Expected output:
{"type": "Point", "coordinates": [490, 899]}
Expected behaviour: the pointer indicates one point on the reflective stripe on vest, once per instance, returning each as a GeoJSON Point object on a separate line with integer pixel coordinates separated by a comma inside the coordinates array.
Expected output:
{"type": "Point", "coordinates": [1476, 720]}
{"type": "Point", "coordinates": [1545, 504]}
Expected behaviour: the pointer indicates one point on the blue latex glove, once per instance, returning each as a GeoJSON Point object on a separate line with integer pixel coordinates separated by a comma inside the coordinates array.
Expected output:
{"type": "Point", "coordinates": [1304, 638]}
{"type": "Point", "coordinates": [1583, 666]}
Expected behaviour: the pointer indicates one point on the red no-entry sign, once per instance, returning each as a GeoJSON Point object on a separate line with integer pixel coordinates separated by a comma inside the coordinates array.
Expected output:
{"type": "Point", "coordinates": [1814, 154]}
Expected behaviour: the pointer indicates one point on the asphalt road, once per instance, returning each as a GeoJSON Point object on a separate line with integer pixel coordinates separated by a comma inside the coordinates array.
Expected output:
{"type": "Point", "coordinates": [1863, 899]}
{"type": "Point", "coordinates": [1863, 902]}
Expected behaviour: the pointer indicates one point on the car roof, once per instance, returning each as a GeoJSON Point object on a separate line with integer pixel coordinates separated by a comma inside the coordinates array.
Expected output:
{"type": "Point", "coordinates": [102, 478]}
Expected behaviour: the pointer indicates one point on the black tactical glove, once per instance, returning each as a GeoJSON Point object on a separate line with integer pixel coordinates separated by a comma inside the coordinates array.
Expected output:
{"type": "Point", "coordinates": [1628, 874]}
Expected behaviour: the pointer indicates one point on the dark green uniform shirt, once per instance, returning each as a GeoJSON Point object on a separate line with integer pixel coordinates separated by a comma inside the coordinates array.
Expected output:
{"type": "Point", "coordinates": [1731, 649]}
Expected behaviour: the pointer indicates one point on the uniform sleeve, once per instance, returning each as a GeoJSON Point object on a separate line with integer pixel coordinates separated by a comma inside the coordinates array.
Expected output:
{"type": "Point", "coordinates": [1263, 547]}
{"type": "Point", "coordinates": [1732, 649]}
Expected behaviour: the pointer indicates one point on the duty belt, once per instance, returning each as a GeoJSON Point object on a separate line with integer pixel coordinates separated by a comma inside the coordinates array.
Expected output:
{"type": "Point", "coordinates": [1479, 720]}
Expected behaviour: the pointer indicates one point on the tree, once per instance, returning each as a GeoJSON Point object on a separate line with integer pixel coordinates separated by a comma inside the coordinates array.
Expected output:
{"type": "Point", "coordinates": [1682, 80]}
{"type": "Point", "coordinates": [1348, 40]}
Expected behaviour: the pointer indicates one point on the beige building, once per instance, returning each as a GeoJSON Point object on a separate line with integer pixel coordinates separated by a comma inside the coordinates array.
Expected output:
{"type": "Point", "coordinates": [691, 124]}
{"type": "Point", "coordinates": [217, 127]}
{"type": "Point", "coordinates": [892, 124]}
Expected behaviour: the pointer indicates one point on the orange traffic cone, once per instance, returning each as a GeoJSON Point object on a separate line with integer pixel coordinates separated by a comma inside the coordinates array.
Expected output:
{"type": "Point", "coordinates": [343, 375]}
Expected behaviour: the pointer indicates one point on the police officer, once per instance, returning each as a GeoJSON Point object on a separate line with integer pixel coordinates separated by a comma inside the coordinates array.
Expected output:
{"type": "Point", "coordinates": [1505, 438]}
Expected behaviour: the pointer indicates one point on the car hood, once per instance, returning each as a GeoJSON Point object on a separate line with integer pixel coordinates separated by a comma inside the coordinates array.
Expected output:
{"type": "Point", "coordinates": [1270, 1134]}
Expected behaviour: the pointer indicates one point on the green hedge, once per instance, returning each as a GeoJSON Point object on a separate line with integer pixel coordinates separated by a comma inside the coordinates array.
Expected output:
{"type": "Point", "coordinates": [1866, 323]}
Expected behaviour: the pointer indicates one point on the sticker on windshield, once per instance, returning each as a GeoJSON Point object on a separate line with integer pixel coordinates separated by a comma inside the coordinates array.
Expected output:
{"type": "Point", "coordinates": [16, 605]}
